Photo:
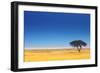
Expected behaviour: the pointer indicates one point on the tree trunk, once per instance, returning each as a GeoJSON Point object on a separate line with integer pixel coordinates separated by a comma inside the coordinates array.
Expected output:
{"type": "Point", "coordinates": [78, 49]}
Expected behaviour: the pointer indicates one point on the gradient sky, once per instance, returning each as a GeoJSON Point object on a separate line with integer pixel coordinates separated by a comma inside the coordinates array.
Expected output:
{"type": "Point", "coordinates": [51, 29]}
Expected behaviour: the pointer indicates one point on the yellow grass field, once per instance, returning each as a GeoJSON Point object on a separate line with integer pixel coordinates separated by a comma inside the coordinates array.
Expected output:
{"type": "Point", "coordinates": [55, 54]}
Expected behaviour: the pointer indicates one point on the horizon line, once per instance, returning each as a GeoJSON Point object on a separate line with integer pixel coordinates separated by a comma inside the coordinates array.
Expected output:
{"type": "Point", "coordinates": [53, 48]}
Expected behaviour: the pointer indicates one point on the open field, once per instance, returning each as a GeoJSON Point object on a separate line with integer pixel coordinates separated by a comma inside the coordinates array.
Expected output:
{"type": "Point", "coordinates": [55, 54]}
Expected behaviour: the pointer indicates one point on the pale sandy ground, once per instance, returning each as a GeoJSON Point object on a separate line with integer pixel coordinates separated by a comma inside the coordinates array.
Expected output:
{"type": "Point", "coordinates": [55, 54]}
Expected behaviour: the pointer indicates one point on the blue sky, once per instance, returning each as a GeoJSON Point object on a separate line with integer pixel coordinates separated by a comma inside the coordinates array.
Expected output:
{"type": "Point", "coordinates": [46, 29]}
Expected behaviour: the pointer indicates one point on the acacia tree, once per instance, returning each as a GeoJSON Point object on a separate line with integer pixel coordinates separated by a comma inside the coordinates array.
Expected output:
{"type": "Point", "coordinates": [78, 44]}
